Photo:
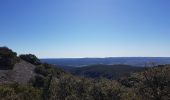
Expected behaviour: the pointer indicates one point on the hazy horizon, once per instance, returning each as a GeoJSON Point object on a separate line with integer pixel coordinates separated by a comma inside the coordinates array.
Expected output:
{"type": "Point", "coordinates": [86, 28]}
{"type": "Point", "coordinates": [100, 57]}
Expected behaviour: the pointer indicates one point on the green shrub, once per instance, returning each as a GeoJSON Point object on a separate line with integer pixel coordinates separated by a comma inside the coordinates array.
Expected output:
{"type": "Point", "coordinates": [155, 84]}
{"type": "Point", "coordinates": [8, 58]}
{"type": "Point", "coordinates": [74, 88]}
{"type": "Point", "coordinates": [39, 81]}
{"type": "Point", "coordinates": [19, 92]}
{"type": "Point", "coordinates": [44, 69]}
{"type": "Point", "coordinates": [31, 59]}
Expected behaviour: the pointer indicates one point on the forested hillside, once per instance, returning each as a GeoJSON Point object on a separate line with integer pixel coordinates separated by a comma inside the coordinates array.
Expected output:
{"type": "Point", "coordinates": [46, 82]}
{"type": "Point", "coordinates": [105, 71]}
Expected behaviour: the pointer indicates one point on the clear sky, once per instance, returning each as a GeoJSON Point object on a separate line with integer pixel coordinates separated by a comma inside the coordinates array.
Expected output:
{"type": "Point", "coordinates": [86, 28]}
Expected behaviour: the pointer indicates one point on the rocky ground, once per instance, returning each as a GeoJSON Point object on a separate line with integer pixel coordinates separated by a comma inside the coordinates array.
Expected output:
{"type": "Point", "coordinates": [21, 73]}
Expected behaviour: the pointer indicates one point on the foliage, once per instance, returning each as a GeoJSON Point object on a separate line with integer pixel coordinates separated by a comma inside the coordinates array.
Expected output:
{"type": "Point", "coordinates": [8, 58]}
{"type": "Point", "coordinates": [42, 80]}
{"type": "Point", "coordinates": [156, 84]}
{"type": "Point", "coordinates": [151, 84]}
{"type": "Point", "coordinates": [129, 81]}
{"type": "Point", "coordinates": [74, 88]}
{"type": "Point", "coordinates": [39, 81]}
{"type": "Point", "coordinates": [44, 73]}
{"type": "Point", "coordinates": [106, 71]}
{"type": "Point", "coordinates": [19, 92]}
{"type": "Point", "coordinates": [31, 59]}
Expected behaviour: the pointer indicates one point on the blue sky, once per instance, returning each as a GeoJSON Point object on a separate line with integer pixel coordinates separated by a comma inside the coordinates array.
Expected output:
{"type": "Point", "coordinates": [86, 28]}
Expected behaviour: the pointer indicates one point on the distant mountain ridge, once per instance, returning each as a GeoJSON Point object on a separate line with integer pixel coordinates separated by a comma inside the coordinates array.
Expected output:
{"type": "Point", "coordinates": [133, 61]}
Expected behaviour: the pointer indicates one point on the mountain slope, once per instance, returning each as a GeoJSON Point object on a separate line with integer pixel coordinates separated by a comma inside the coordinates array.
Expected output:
{"type": "Point", "coordinates": [51, 83]}
{"type": "Point", "coordinates": [106, 71]}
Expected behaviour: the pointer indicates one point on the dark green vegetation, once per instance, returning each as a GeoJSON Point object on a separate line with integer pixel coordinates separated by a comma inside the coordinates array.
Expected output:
{"type": "Point", "coordinates": [31, 59]}
{"type": "Point", "coordinates": [19, 92]}
{"type": "Point", "coordinates": [8, 58]}
{"type": "Point", "coordinates": [105, 71]}
{"type": "Point", "coordinates": [51, 83]}
{"type": "Point", "coordinates": [151, 84]}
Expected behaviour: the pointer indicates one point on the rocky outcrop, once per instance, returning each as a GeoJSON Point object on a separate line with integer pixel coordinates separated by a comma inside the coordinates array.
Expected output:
{"type": "Point", "coordinates": [21, 73]}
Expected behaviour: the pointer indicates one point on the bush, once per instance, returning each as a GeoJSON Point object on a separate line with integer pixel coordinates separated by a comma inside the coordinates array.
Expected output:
{"type": "Point", "coordinates": [39, 81]}
{"type": "Point", "coordinates": [41, 70]}
{"type": "Point", "coordinates": [74, 88]}
{"type": "Point", "coordinates": [31, 59]}
{"type": "Point", "coordinates": [44, 69]}
{"type": "Point", "coordinates": [129, 82]}
{"type": "Point", "coordinates": [19, 92]}
{"type": "Point", "coordinates": [155, 84]}
{"type": "Point", "coordinates": [151, 84]}
{"type": "Point", "coordinates": [8, 58]}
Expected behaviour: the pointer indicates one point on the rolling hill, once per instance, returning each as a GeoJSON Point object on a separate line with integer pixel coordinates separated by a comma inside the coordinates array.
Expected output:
{"type": "Point", "coordinates": [105, 71]}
